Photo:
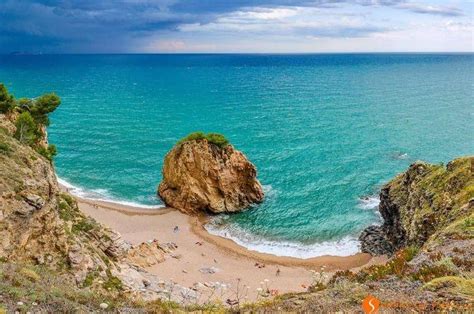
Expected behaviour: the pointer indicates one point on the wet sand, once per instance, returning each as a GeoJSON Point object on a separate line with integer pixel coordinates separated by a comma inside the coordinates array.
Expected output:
{"type": "Point", "coordinates": [197, 249]}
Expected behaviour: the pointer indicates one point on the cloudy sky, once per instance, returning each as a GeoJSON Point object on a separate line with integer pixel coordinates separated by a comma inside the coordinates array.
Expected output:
{"type": "Point", "coordinates": [147, 26]}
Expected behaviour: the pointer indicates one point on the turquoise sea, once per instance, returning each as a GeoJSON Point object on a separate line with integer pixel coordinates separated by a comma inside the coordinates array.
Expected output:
{"type": "Point", "coordinates": [324, 130]}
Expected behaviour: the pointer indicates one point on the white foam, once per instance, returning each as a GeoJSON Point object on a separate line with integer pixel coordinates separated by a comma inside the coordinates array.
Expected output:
{"type": "Point", "coordinates": [400, 155]}
{"type": "Point", "coordinates": [101, 195]}
{"type": "Point", "coordinates": [369, 202]}
{"type": "Point", "coordinates": [345, 247]}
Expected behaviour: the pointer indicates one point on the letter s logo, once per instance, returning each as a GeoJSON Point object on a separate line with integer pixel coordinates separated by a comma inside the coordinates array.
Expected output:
{"type": "Point", "coordinates": [370, 305]}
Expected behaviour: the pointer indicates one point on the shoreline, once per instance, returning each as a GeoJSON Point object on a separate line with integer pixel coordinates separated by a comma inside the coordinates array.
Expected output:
{"type": "Point", "coordinates": [197, 223]}
{"type": "Point", "coordinates": [198, 227]}
{"type": "Point", "coordinates": [329, 261]}
{"type": "Point", "coordinates": [205, 259]}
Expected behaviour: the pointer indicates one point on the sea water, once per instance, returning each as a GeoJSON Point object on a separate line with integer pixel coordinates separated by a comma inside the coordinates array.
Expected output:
{"type": "Point", "coordinates": [325, 131]}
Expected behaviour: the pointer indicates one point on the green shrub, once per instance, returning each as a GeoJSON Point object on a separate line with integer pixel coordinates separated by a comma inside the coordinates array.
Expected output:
{"type": "Point", "coordinates": [214, 138]}
{"type": "Point", "coordinates": [26, 129]}
{"type": "Point", "coordinates": [48, 152]}
{"type": "Point", "coordinates": [195, 136]}
{"type": "Point", "coordinates": [429, 272]}
{"type": "Point", "coordinates": [4, 148]}
{"type": "Point", "coordinates": [90, 277]}
{"type": "Point", "coordinates": [397, 266]}
{"type": "Point", "coordinates": [113, 283]}
{"type": "Point", "coordinates": [83, 225]}
{"type": "Point", "coordinates": [7, 102]}
{"type": "Point", "coordinates": [69, 199]}
{"type": "Point", "coordinates": [65, 211]}
{"type": "Point", "coordinates": [33, 117]}
{"type": "Point", "coordinates": [44, 105]}
{"type": "Point", "coordinates": [217, 139]}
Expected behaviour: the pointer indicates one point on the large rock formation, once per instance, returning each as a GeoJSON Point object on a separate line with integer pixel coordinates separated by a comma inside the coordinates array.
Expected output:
{"type": "Point", "coordinates": [419, 204]}
{"type": "Point", "coordinates": [41, 226]}
{"type": "Point", "coordinates": [201, 176]}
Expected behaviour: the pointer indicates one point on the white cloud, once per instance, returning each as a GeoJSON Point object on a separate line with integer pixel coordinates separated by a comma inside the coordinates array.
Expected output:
{"type": "Point", "coordinates": [295, 21]}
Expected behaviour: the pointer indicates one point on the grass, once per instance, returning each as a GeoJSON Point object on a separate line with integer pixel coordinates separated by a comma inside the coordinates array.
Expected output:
{"type": "Point", "coordinates": [213, 138]}
{"type": "Point", "coordinates": [397, 266]}
{"type": "Point", "coordinates": [454, 284]}
{"type": "Point", "coordinates": [67, 207]}
{"type": "Point", "coordinates": [83, 225]}
{"type": "Point", "coordinates": [4, 148]}
{"type": "Point", "coordinates": [43, 290]}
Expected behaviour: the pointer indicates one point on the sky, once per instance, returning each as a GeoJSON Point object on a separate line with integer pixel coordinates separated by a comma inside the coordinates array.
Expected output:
{"type": "Point", "coordinates": [241, 26]}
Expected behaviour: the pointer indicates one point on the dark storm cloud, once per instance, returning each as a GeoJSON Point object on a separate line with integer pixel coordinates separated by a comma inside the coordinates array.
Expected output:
{"type": "Point", "coordinates": [111, 25]}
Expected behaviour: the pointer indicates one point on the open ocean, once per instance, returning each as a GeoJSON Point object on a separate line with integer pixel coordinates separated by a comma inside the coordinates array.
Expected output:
{"type": "Point", "coordinates": [324, 130]}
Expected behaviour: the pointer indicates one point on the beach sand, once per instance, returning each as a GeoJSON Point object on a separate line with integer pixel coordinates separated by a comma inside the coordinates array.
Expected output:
{"type": "Point", "coordinates": [199, 249]}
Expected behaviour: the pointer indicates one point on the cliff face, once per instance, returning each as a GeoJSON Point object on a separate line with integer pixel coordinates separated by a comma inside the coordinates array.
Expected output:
{"type": "Point", "coordinates": [417, 206]}
{"type": "Point", "coordinates": [200, 176]}
{"type": "Point", "coordinates": [41, 225]}
{"type": "Point", "coordinates": [428, 231]}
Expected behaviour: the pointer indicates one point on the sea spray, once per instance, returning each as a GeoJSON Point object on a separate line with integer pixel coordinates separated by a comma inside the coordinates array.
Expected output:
{"type": "Point", "coordinates": [348, 245]}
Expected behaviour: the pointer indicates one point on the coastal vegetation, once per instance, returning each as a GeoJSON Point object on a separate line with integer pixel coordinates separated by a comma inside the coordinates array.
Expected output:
{"type": "Point", "coordinates": [214, 138]}
{"type": "Point", "coordinates": [7, 102]}
{"type": "Point", "coordinates": [31, 119]}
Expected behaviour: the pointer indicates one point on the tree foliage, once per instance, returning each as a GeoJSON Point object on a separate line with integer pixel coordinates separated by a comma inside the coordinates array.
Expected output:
{"type": "Point", "coordinates": [32, 119]}
{"type": "Point", "coordinates": [44, 105]}
{"type": "Point", "coordinates": [214, 138]}
{"type": "Point", "coordinates": [26, 129]}
{"type": "Point", "coordinates": [48, 152]}
{"type": "Point", "coordinates": [7, 101]}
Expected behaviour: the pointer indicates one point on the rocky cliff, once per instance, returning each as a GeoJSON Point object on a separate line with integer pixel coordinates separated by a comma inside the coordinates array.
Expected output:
{"type": "Point", "coordinates": [419, 204]}
{"type": "Point", "coordinates": [39, 224]}
{"type": "Point", "coordinates": [200, 176]}
{"type": "Point", "coordinates": [45, 238]}
{"type": "Point", "coordinates": [428, 232]}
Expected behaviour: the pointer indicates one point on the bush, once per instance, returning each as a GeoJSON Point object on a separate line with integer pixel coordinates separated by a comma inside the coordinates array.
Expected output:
{"type": "Point", "coordinates": [397, 266]}
{"type": "Point", "coordinates": [32, 119]}
{"type": "Point", "coordinates": [44, 105]}
{"type": "Point", "coordinates": [214, 138]}
{"type": "Point", "coordinates": [48, 152]}
{"type": "Point", "coordinates": [4, 148]}
{"type": "Point", "coordinates": [7, 102]}
{"type": "Point", "coordinates": [195, 136]}
{"type": "Point", "coordinates": [24, 104]}
{"type": "Point", "coordinates": [26, 129]}
{"type": "Point", "coordinates": [217, 139]}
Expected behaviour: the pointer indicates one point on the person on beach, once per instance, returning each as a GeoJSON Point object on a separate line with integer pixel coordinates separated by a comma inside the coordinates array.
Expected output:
{"type": "Point", "coordinates": [278, 272]}
{"type": "Point", "coordinates": [176, 229]}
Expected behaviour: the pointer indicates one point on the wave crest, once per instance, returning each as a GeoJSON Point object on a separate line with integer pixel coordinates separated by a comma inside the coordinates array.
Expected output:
{"type": "Point", "coordinates": [101, 195]}
{"type": "Point", "coordinates": [346, 246]}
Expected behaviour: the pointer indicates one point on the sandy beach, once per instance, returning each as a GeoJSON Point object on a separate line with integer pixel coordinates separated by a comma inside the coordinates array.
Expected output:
{"type": "Point", "coordinates": [197, 249]}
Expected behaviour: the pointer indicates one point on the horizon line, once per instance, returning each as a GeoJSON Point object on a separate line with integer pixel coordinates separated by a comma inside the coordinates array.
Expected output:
{"type": "Point", "coordinates": [22, 53]}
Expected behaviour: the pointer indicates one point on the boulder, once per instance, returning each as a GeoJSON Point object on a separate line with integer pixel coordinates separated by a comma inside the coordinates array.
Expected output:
{"type": "Point", "coordinates": [200, 176]}
{"type": "Point", "coordinates": [146, 254]}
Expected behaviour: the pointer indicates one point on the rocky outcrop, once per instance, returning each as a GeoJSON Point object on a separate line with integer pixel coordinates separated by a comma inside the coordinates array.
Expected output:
{"type": "Point", "coordinates": [146, 254]}
{"type": "Point", "coordinates": [199, 176]}
{"type": "Point", "coordinates": [418, 205]}
{"type": "Point", "coordinates": [41, 225]}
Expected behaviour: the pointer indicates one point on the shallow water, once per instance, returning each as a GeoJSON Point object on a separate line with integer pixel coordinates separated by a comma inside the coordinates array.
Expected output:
{"type": "Point", "coordinates": [323, 130]}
